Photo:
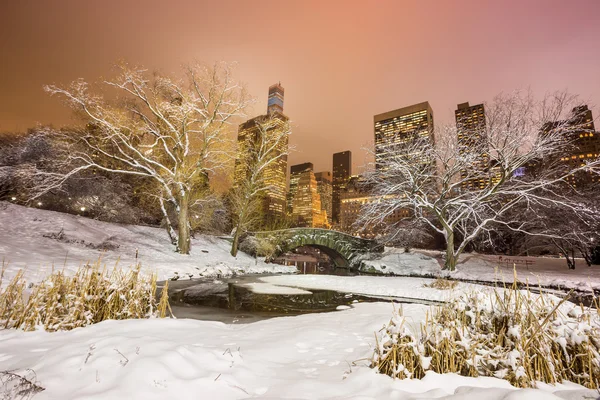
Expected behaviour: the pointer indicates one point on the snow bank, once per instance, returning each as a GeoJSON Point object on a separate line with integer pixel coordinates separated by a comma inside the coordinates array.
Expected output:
{"type": "Point", "coordinates": [39, 240]}
{"type": "Point", "coordinates": [304, 357]}
{"type": "Point", "coordinates": [395, 261]}
{"type": "Point", "coordinates": [545, 271]}
{"type": "Point", "coordinates": [377, 286]}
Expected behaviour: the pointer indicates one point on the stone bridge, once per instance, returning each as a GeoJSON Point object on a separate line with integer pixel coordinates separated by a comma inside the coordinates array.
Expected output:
{"type": "Point", "coordinates": [346, 251]}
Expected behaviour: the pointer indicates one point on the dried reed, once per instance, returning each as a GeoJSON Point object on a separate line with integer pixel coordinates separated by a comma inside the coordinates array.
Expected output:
{"type": "Point", "coordinates": [91, 295]}
{"type": "Point", "coordinates": [442, 284]}
{"type": "Point", "coordinates": [506, 333]}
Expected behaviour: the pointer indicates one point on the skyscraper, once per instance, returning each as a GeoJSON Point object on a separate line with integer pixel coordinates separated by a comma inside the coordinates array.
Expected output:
{"type": "Point", "coordinates": [275, 103]}
{"type": "Point", "coordinates": [401, 127]}
{"type": "Point", "coordinates": [472, 145]}
{"type": "Point", "coordinates": [306, 206]}
{"type": "Point", "coordinates": [354, 197]}
{"type": "Point", "coordinates": [583, 143]}
{"type": "Point", "coordinates": [295, 172]}
{"type": "Point", "coordinates": [325, 188]}
{"type": "Point", "coordinates": [342, 169]}
{"type": "Point", "coordinates": [275, 175]}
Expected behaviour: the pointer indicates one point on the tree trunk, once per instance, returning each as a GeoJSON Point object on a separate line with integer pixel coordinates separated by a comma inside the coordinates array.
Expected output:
{"type": "Point", "coordinates": [236, 241]}
{"type": "Point", "coordinates": [571, 262]}
{"type": "Point", "coordinates": [183, 226]}
{"type": "Point", "coordinates": [170, 230]}
{"type": "Point", "coordinates": [450, 263]}
{"type": "Point", "coordinates": [238, 229]}
{"type": "Point", "coordinates": [586, 253]}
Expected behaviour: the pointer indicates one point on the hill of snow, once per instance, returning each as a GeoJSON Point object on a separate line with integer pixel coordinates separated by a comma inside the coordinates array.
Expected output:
{"type": "Point", "coordinates": [38, 241]}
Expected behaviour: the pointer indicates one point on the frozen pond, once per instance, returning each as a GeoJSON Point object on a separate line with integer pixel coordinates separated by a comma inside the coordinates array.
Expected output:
{"type": "Point", "coordinates": [247, 299]}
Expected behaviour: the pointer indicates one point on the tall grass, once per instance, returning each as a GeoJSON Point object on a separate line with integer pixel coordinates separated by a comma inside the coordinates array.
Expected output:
{"type": "Point", "coordinates": [506, 333]}
{"type": "Point", "coordinates": [91, 295]}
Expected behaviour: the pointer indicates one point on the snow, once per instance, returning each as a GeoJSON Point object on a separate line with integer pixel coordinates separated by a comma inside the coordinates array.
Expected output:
{"type": "Point", "coordinates": [545, 271]}
{"type": "Point", "coordinates": [376, 286]}
{"type": "Point", "coordinates": [266, 288]}
{"type": "Point", "coordinates": [24, 244]}
{"type": "Point", "coordinates": [312, 356]}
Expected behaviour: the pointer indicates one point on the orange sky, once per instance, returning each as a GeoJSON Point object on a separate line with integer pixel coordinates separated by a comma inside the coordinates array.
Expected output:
{"type": "Point", "coordinates": [340, 62]}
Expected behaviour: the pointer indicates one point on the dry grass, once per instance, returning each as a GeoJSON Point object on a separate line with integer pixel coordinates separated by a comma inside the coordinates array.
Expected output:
{"type": "Point", "coordinates": [18, 387]}
{"type": "Point", "coordinates": [441, 284]}
{"type": "Point", "coordinates": [91, 295]}
{"type": "Point", "coordinates": [507, 333]}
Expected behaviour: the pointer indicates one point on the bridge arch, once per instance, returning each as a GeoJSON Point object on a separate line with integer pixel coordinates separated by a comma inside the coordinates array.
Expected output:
{"type": "Point", "coordinates": [345, 251]}
{"type": "Point", "coordinates": [338, 260]}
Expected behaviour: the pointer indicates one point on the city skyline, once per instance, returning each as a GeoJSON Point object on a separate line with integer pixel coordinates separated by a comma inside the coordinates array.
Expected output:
{"type": "Point", "coordinates": [332, 98]}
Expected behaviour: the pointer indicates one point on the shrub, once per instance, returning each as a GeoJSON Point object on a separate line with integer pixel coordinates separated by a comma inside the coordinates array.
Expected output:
{"type": "Point", "coordinates": [91, 295]}
{"type": "Point", "coordinates": [442, 284]}
{"type": "Point", "coordinates": [258, 246]}
{"type": "Point", "coordinates": [249, 245]}
{"type": "Point", "coordinates": [509, 334]}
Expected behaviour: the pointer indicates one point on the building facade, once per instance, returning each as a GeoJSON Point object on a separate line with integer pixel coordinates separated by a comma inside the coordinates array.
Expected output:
{"type": "Point", "coordinates": [342, 170]}
{"type": "Point", "coordinates": [473, 146]}
{"type": "Point", "coordinates": [275, 175]}
{"type": "Point", "coordinates": [582, 143]}
{"type": "Point", "coordinates": [354, 197]}
{"type": "Point", "coordinates": [306, 205]}
{"type": "Point", "coordinates": [325, 189]}
{"type": "Point", "coordinates": [400, 128]}
{"type": "Point", "coordinates": [275, 102]}
{"type": "Point", "coordinates": [295, 172]}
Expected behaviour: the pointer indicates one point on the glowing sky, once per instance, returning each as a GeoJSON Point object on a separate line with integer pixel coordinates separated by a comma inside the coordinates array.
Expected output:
{"type": "Point", "coordinates": [340, 62]}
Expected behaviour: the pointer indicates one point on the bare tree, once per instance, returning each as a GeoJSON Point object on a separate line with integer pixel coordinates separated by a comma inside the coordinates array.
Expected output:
{"type": "Point", "coordinates": [573, 233]}
{"type": "Point", "coordinates": [261, 149]}
{"type": "Point", "coordinates": [171, 131]}
{"type": "Point", "coordinates": [433, 180]}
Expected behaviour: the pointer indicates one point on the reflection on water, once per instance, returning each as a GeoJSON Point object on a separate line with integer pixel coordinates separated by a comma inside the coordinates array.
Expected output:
{"type": "Point", "coordinates": [315, 269]}
{"type": "Point", "coordinates": [311, 260]}
{"type": "Point", "coordinates": [230, 301]}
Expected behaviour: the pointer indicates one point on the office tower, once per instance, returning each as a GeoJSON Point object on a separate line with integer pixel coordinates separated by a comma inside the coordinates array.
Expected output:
{"type": "Point", "coordinates": [306, 204]}
{"type": "Point", "coordinates": [473, 146]}
{"type": "Point", "coordinates": [295, 172]}
{"type": "Point", "coordinates": [583, 143]}
{"type": "Point", "coordinates": [275, 103]}
{"type": "Point", "coordinates": [402, 127]}
{"type": "Point", "coordinates": [353, 197]}
{"type": "Point", "coordinates": [275, 175]}
{"type": "Point", "coordinates": [325, 188]}
{"type": "Point", "coordinates": [342, 169]}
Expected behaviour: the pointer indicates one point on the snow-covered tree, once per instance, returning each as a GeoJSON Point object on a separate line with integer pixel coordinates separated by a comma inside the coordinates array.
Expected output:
{"type": "Point", "coordinates": [260, 151]}
{"type": "Point", "coordinates": [573, 233]}
{"type": "Point", "coordinates": [522, 144]}
{"type": "Point", "coordinates": [171, 131]}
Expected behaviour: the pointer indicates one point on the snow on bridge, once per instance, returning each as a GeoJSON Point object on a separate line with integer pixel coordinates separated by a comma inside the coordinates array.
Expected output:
{"type": "Point", "coordinates": [345, 250]}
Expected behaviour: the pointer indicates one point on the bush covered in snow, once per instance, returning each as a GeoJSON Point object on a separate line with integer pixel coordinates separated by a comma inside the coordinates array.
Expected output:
{"type": "Point", "coordinates": [510, 334]}
{"type": "Point", "coordinates": [91, 295]}
{"type": "Point", "coordinates": [258, 246]}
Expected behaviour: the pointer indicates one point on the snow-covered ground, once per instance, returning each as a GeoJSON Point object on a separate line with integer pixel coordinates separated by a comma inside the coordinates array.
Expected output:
{"type": "Point", "coordinates": [546, 271]}
{"type": "Point", "coordinates": [29, 240]}
{"type": "Point", "coordinates": [303, 357]}
{"type": "Point", "coordinates": [313, 356]}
